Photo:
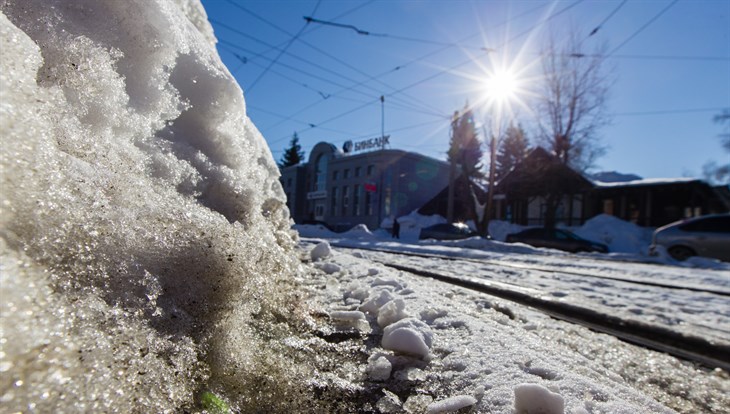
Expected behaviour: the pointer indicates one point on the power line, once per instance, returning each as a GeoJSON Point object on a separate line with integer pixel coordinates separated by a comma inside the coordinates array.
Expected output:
{"type": "Point", "coordinates": [470, 60]}
{"type": "Point", "coordinates": [668, 111]}
{"type": "Point", "coordinates": [296, 57]}
{"type": "Point", "coordinates": [641, 29]}
{"type": "Point", "coordinates": [282, 51]}
{"type": "Point", "coordinates": [600, 25]}
{"type": "Point", "coordinates": [423, 57]}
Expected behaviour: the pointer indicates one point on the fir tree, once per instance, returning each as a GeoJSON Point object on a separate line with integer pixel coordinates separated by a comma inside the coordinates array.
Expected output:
{"type": "Point", "coordinates": [465, 149]}
{"type": "Point", "coordinates": [512, 150]}
{"type": "Point", "coordinates": [292, 155]}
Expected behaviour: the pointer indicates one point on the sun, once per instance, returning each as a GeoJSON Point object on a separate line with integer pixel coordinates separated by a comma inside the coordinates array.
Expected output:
{"type": "Point", "coordinates": [501, 87]}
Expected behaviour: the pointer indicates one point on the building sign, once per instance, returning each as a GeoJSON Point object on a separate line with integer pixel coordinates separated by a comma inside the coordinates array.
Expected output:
{"type": "Point", "coordinates": [370, 188]}
{"type": "Point", "coordinates": [316, 195]}
{"type": "Point", "coordinates": [371, 143]}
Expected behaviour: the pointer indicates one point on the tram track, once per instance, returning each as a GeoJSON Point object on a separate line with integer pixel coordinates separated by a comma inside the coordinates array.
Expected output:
{"type": "Point", "coordinates": [520, 266]}
{"type": "Point", "coordinates": [685, 346]}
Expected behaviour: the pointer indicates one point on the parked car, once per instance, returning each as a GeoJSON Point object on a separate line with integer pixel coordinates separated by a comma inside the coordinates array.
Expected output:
{"type": "Point", "coordinates": [707, 236]}
{"type": "Point", "coordinates": [556, 239]}
{"type": "Point", "coordinates": [447, 231]}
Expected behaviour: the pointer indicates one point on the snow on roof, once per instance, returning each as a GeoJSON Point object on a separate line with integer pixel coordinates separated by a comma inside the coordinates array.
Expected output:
{"type": "Point", "coordinates": [646, 181]}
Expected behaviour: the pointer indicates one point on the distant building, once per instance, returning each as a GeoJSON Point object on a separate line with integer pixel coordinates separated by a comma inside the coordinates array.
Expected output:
{"type": "Point", "coordinates": [357, 185]}
{"type": "Point", "coordinates": [520, 197]}
{"type": "Point", "coordinates": [646, 202]}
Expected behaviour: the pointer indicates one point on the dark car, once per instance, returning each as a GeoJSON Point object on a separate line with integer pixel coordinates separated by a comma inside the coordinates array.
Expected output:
{"type": "Point", "coordinates": [707, 236]}
{"type": "Point", "coordinates": [556, 239]}
{"type": "Point", "coordinates": [447, 231]}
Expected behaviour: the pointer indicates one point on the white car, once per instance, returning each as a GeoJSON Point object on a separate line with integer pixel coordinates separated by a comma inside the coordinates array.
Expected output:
{"type": "Point", "coordinates": [707, 236]}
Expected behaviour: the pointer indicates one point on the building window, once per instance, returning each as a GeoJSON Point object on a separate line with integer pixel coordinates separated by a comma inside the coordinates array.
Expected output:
{"type": "Point", "coordinates": [320, 175]}
{"type": "Point", "coordinates": [333, 207]}
{"type": "Point", "coordinates": [371, 168]}
{"type": "Point", "coordinates": [335, 175]}
{"type": "Point", "coordinates": [357, 171]}
{"type": "Point", "coordinates": [346, 173]}
{"type": "Point", "coordinates": [356, 200]}
{"type": "Point", "coordinates": [345, 199]}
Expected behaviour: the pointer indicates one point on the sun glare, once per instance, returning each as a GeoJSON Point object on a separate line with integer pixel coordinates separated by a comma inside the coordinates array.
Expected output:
{"type": "Point", "coordinates": [501, 87]}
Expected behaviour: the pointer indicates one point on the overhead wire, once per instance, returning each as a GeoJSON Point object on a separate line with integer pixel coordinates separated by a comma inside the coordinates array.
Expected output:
{"type": "Point", "coordinates": [463, 63]}
{"type": "Point", "coordinates": [610, 15]}
{"type": "Point", "coordinates": [427, 55]}
{"type": "Point", "coordinates": [319, 50]}
{"type": "Point", "coordinates": [642, 28]}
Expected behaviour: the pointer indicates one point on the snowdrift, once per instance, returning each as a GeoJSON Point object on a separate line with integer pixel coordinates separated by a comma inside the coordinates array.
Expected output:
{"type": "Point", "coordinates": [145, 247]}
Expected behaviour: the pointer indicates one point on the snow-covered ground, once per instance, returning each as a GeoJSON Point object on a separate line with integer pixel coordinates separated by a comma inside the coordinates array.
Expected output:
{"type": "Point", "coordinates": [484, 350]}
{"type": "Point", "coordinates": [458, 348]}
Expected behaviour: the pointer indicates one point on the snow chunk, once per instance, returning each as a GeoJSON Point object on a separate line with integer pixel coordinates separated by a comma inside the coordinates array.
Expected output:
{"type": "Point", "coordinates": [379, 368]}
{"type": "Point", "coordinates": [320, 251]}
{"type": "Point", "coordinates": [357, 292]}
{"type": "Point", "coordinates": [350, 316]}
{"type": "Point", "coordinates": [375, 302]}
{"type": "Point", "coordinates": [451, 404]}
{"type": "Point", "coordinates": [387, 282]}
{"type": "Point", "coordinates": [390, 403]}
{"type": "Point", "coordinates": [391, 312]}
{"type": "Point", "coordinates": [328, 268]}
{"type": "Point", "coordinates": [536, 399]}
{"type": "Point", "coordinates": [351, 319]}
{"type": "Point", "coordinates": [409, 336]}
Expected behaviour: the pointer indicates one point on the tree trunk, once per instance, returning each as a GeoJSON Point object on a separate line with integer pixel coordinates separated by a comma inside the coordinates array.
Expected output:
{"type": "Point", "coordinates": [490, 191]}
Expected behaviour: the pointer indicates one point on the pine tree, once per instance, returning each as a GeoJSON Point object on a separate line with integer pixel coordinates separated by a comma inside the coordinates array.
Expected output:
{"type": "Point", "coordinates": [292, 155]}
{"type": "Point", "coordinates": [512, 150]}
{"type": "Point", "coordinates": [465, 149]}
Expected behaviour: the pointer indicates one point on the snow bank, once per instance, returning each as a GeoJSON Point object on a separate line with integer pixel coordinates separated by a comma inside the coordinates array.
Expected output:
{"type": "Point", "coordinates": [620, 236]}
{"type": "Point", "coordinates": [144, 239]}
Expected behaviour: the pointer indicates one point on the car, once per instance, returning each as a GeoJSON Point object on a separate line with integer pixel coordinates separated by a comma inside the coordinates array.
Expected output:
{"type": "Point", "coordinates": [707, 236]}
{"type": "Point", "coordinates": [447, 231]}
{"type": "Point", "coordinates": [556, 239]}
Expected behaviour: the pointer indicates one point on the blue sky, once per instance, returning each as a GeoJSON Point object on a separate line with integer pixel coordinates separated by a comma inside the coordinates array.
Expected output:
{"type": "Point", "coordinates": [670, 64]}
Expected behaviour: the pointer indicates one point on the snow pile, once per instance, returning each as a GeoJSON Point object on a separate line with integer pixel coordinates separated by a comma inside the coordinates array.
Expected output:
{"type": "Point", "coordinates": [360, 231]}
{"type": "Point", "coordinates": [620, 236]}
{"type": "Point", "coordinates": [499, 229]}
{"type": "Point", "coordinates": [144, 241]}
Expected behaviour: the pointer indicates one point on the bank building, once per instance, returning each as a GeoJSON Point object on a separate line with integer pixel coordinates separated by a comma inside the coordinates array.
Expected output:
{"type": "Point", "coordinates": [361, 183]}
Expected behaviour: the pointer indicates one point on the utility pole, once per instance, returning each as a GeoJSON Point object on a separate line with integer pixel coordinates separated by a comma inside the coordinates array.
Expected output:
{"type": "Point", "coordinates": [490, 190]}
{"type": "Point", "coordinates": [382, 120]}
